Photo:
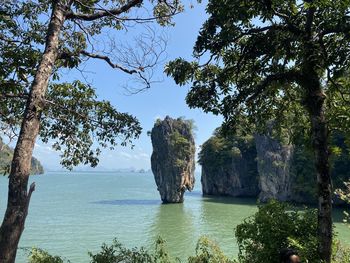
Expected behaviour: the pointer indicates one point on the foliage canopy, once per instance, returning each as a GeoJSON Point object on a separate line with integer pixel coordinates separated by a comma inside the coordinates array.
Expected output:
{"type": "Point", "coordinates": [23, 36]}
{"type": "Point", "coordinates": [251, 59]}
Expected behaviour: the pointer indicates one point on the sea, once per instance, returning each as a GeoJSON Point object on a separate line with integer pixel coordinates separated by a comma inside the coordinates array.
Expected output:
{"type": "Point", "coordinates": [73, 213]}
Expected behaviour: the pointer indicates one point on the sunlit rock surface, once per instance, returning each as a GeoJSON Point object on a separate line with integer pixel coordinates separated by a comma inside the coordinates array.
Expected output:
{"type": "Point", "coordinates": [173, 158]}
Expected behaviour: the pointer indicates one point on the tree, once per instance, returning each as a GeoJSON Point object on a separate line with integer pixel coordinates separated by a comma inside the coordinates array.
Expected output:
{"type": "Point", "coordinates": [262, 59]}
{"type": "Point", "coordinates": [37, 40]}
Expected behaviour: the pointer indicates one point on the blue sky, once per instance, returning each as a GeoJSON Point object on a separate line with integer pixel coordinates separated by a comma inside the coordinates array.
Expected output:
{"type": "Point", "coordinates": [164, 98]}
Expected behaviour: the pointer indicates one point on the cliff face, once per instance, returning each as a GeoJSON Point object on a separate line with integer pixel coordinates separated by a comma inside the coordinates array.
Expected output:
{"type": "Point", "coordinates": [274, 160]}
{"type": "Point", "coordinates": [246, 166]}
{"type": "Point", "coordinates": [173, 158]}
{"type": "Point", "coordinates": [303, 172]}
{"type": "Point", "coordinates": [271, 170]}
{"type": "Point", "coordinates": [6, 154]}
{"type": "Point", "coordinates": [229, 167]}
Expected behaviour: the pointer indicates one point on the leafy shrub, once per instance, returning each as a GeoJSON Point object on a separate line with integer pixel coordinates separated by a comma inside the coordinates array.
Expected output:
{"type": "Point", "coordinates": [276, 226]}
{"type": "Point", "coordinates": [117, 253]}
{"type": "Point", "coordinates": [37, 255]}
{"type": "Point", "coordinates": [208, 252]}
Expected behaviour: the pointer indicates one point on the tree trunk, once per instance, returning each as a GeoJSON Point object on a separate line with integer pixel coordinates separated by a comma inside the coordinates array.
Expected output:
{"type": "Point", "coordinates": [315, 105]}
{"type": "Point", "coordinates": [18, 197]}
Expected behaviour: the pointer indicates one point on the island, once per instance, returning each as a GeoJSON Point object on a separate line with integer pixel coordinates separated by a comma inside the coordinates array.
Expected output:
{"type": "Point", "coordinates": [173, 158]}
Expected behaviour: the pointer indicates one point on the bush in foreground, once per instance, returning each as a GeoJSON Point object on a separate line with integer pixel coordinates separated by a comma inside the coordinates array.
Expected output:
{"type": "Point", "coordinates": [37, 255]}
{"type": "Point", "coordinates": [274, 227]}
{"type": "Point", "coordinates": [116, 253]}
{"type": "Point", "coordinates": [206, 252]}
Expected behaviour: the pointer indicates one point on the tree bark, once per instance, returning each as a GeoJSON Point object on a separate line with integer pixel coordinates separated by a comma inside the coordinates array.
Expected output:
{"type": "Point", "coordinates": [18, 196]}
{"type": "Point", "coordinates": [315, 106]}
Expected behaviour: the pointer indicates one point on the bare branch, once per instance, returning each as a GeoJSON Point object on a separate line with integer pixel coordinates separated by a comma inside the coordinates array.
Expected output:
{"type": "Point", "coordinates": [87, 35]}
{"type": "Point", "coordinates": [9, 130]}
{"type": "Point", "coordinates": [109, 61]}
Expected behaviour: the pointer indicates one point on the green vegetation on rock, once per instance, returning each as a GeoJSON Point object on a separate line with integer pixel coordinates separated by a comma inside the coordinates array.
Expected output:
{"type": "Point", "coordinates": [229, 164]}
{"type": "Point", "coordinates": [173, 158]}
{"type": "Point", "coordinates": [6, 154]}
{"type": "Point", "coordinates": [181, 147]}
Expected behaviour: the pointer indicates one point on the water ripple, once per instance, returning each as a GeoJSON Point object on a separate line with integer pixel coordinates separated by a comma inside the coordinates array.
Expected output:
{"type": "Point", "coordinates": [127, 202]}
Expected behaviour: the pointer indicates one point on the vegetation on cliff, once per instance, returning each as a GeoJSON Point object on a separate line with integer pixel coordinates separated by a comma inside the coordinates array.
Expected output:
{"type": "Point", "coordinates": [6, 154]}
{"type": "Point", "coordinates": [220, 149]}
{"type": "Point", "coordinates": [229, 165]}
{"type": "Point", "coordinates": [181, 147]}
{"type": "Point", "coordinates": [173, 158]}
{"type": "Point", "coordinates": [226, 152]}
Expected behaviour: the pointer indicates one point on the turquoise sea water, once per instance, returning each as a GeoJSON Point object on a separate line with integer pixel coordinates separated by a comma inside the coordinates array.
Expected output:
{"type": "Point", "coordinates": [73, 213]}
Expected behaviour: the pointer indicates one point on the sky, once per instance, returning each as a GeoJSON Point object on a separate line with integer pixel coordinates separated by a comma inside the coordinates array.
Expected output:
{"type": "Point", "coordinates": [162, 99]}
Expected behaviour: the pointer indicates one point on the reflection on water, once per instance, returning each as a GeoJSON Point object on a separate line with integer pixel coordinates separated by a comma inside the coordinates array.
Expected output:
{"type": "Point", "coordinates": [175, 224]}
{"type": "Point", "coordinates": [220, 216]}
{"type": "Point", "coordinates": [181, 225]}
{"type": "Point", "coordinates": [127, 202]}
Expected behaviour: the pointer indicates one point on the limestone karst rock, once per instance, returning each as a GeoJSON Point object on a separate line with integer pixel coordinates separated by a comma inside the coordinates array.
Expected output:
{"type": "Point", "coordinates": [264, 167]}
{"type": "Point", "coordinates": [173, 158]}
{"type": "Point", "coordinates": [273, 160]}
{"type": "Point", "coordinates": [229, 166]}
{"type": "Point", "coordinates": [246, 166]}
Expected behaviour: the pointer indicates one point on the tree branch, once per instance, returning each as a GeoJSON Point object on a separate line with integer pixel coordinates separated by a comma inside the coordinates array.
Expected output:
{"type": "Point", "coordinates": [109, 61]}
{"type": "Point", "coordinates": [340, 28]}
{"type": "Point", "coordinates": [289, 76]}
{"type": "Point", "coordinates": [67, 55]}
{"type": "Point", "coordinates": [103, 13]}
{"type": "Point", "coordinates": [310, 19]}
{"type": "Point", "coordinates": [29, 195]}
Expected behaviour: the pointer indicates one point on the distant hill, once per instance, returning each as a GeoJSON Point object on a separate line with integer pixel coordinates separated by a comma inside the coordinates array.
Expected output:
{"type": "Point", "coordinates": [6, 153]}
